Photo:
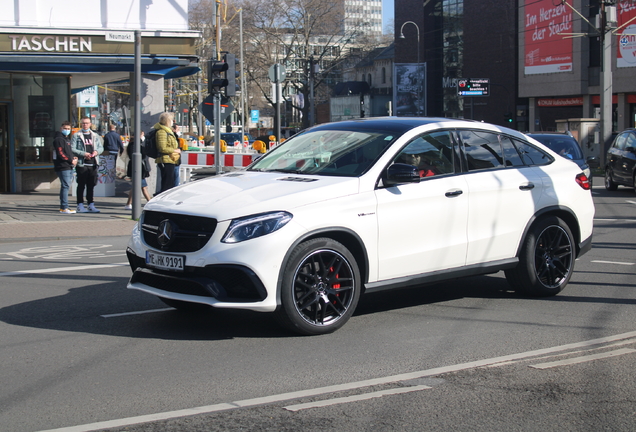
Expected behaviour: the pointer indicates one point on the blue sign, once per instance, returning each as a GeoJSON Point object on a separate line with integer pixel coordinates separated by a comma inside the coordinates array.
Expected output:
{"type": "Point", "coordinates": [254, 114]}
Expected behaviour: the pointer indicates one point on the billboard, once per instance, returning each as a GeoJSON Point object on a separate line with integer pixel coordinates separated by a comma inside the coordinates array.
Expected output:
{"type": "Point", "coordinates": [626, 16]}
{"type": "Point", "coordinates": [409, 83]}
{"type": "Point", "coordinates": [546, 49]}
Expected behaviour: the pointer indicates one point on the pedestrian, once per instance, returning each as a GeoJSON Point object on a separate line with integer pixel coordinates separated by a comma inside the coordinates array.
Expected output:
{"type": "Point", "coordinates": [112, 142]}
{"type": "Point", "coordinates": [87, 146]}
{"type": "Point", "coordinates": [168, 148]}
{"type": "Point", "coordinates": [63, 163]}
{"type": "Point", "coordinates": [145, 168]}
{"type": "Point", "coordinates": [180, 141]}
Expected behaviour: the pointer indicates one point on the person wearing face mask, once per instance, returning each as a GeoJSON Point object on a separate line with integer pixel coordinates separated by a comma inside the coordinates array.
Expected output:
{"type": "Point", "coordinates": [63, 163]}
{"type": "Point", "coordinates": [87, 145]}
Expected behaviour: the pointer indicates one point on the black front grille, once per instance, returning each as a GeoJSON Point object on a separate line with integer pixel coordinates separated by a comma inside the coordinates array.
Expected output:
{"type": "Point", "coordinates": [191, 233]}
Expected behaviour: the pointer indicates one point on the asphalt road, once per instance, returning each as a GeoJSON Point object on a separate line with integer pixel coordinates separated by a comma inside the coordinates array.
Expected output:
{"type": "Point", "coordinates": [81, 352]}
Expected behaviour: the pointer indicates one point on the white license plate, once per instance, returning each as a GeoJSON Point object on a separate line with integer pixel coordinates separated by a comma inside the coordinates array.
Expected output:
{"type": "Point", "coordinates": [165, 262]}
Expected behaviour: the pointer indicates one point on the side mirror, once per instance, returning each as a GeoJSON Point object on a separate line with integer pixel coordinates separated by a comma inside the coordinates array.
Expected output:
{"type": "Point", "coordinates": [593, 162]}
{"type": "Point", "coordinates": [400, 173]}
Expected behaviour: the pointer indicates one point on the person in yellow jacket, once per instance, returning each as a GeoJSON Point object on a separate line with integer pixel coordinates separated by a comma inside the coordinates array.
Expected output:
{"type": "Point", "coordinates": [169, 151]}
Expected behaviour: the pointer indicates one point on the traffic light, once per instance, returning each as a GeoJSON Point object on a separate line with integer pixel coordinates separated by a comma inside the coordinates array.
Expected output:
{"type": "Point", "coordinates": [231, 74]}
{"type": "Point", "coordinates": [216, 82]}
{"type": "Point", "coordinates": [508, 117]}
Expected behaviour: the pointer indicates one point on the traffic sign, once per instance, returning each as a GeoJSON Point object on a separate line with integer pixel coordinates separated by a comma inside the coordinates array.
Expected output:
{"type": "Point", "coordinates": [207, 108]}
{"type": "Point", "coordinates": [277, 73]}
{"type": "Point", "coordinates": [473, 87]}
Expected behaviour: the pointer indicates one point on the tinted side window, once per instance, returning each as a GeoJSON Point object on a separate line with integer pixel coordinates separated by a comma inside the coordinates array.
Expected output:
{"type": "Point", "coordinates": [532, 155]}
{"type": "Point", "coordinates": [510, 153]}
{"type": "Point", "coordinates": [483, 150]}
{"type": "Point", "coordinates": [432, 154]}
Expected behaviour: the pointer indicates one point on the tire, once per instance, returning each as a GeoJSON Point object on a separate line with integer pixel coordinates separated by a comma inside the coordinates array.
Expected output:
{"type": "Point", "coordinates": [546, 259]}
{"type": "Point", "coordinates": [184, 306]}
{"type": "Point", "coordinates": [320, 287]}
{"type": "Point", "coordinates": [609, 183]}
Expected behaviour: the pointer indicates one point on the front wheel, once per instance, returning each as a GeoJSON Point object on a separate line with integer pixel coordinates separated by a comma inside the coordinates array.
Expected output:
{"type": "Point", "coordinates": [320, 287]}
{"type": "Point", "coordinates": [546, 259]}
{"type": "Point", "coordinates": [609, 183]}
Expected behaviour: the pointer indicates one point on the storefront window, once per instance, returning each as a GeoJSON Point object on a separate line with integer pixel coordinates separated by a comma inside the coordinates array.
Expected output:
{"type": "Point", "coordinates": [41, 104]}
{"type": "Point", "coordinates": [5, 86]}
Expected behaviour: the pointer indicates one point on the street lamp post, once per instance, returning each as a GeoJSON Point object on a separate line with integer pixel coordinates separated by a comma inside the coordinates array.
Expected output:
{"type": "Point", "coordinates": [419, 77]}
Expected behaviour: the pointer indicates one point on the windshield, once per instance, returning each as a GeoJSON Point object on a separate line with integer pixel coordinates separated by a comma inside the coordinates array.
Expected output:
{"type": "Point", "coordinates": [327, 152]}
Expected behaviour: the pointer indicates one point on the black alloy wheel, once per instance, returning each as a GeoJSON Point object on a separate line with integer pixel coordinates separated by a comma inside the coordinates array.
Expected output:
{"type": "Point", "coordinates": [609, 183]}
{"type": "Point", "coordinates": [321, 287]}
{"type": "Point", "coordinates": [546, 260]}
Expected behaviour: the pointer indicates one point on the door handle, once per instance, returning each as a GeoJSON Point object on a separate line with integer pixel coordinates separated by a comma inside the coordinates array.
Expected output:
{"type": "Point", "coordinates": [454, 193]}
{"type": "Point", "coordinates": [528, 186]}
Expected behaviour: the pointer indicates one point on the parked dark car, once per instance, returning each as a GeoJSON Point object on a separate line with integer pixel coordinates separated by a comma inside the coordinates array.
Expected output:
{"type": "Point", "coordinates": [566, 145]}
{"type": "Point", "coordinates": [620, 163]}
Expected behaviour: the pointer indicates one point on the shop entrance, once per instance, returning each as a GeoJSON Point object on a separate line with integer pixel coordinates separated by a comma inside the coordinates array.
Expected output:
{"type": "Point", "coordinates": [5, 169]}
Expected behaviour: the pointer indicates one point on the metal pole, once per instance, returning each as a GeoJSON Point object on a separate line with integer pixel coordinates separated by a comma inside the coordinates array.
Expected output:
{"type": "Point", "coordinates": [200, 128]}
{"type": "Point", "coordinates": [278, 98]}
{"type": "Point", "coordinates": [217, 96]}
{"type": "Point", "coordinates": [136, 157]}
{"type": "Point", "coordinates": [606, 83]}
{"type": "Point", "coordinates": [243, 89]}
{"type": "Point", "coordinates": [312, 120]}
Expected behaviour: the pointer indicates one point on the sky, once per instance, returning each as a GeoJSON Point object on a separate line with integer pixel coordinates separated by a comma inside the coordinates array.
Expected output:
{"type": "Point", "coordinates": [387, 12]}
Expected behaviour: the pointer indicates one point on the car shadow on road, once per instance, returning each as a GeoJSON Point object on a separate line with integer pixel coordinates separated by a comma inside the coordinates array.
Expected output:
{"type": "Point", "coordinates": [107, 307]}
{"type": "Point", "coordinates": [479, 286]}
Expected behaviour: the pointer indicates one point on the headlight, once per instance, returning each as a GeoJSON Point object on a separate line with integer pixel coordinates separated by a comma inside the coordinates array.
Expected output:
{"type": "Point", "coordinates": [255, 226]}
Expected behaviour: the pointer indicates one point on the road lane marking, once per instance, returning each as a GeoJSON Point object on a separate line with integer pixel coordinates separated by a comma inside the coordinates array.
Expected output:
{"type": "Point", "coordinates": [583, 359]}
{"type": "Point", "coordinates": [246, 403]}
{"type": "Point", "coordinates": [62, 269]}
{"type": "Point", "coordinates": [604, 347]}
{"type": "Point", "coordinates": [612, 262]}
{"type": "Point", "coordinates": [631, 202]}
{"type": "Point", "coordinates": [136, 313]}
{"type": "Point", "coordinates": [355, 398]}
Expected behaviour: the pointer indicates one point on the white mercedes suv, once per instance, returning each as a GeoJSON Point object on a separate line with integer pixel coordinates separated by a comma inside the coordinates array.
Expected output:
{"type": "Point", "coordinates": [360, 206]}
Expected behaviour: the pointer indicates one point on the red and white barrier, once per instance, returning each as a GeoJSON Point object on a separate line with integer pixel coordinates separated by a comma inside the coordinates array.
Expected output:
{"type": "Point", "coordinates": [227, 159]}
{"type": "Point", "coordinates": [193, 160]}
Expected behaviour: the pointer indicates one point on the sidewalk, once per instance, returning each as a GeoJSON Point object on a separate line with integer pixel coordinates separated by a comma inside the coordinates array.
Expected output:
{"type": "Point", "coordinates": [35, 216]}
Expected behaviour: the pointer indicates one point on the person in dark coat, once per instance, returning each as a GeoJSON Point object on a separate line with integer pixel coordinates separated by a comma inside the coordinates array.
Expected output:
{"type": "Point", "coordinates": [63, 163]}
{"type": "Point", "coordinates": [112, 142]}
{"type": "Point", "coordinates": [145, 168]}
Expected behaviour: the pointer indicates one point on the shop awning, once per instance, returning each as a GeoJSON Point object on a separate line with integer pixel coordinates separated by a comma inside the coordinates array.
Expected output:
{"type": "Point", "coordinates": [89, 70]}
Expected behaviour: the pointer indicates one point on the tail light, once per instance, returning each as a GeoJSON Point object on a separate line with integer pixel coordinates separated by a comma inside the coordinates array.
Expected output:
{"type": "Point", "coordinates": [583, 181]}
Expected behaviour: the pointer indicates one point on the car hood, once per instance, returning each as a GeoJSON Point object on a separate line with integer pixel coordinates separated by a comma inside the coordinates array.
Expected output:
{"type": "Point", "coordinates": [245, 193]}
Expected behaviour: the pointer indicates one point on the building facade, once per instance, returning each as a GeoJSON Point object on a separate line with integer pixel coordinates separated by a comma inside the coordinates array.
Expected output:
{"type": "Point", "coordinates": [542, 59]}
{"type": "Point", "coordinates": [49, 52]}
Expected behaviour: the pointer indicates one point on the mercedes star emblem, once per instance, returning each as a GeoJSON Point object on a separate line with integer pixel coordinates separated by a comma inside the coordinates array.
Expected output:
{"type": "Point", "coordinates": [165, 233]}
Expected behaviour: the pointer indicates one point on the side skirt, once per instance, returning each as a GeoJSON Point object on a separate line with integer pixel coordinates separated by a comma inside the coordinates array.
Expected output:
{"type": "Point", "coordinates": [442, 275]}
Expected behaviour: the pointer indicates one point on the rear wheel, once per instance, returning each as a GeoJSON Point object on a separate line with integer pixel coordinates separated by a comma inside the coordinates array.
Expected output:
{"type": "Point", "coordinates": [320, 288]}
{"type": "Point", "coordinates": [546, 260]}
{"type": "Point", "coordinates": [609, 183]}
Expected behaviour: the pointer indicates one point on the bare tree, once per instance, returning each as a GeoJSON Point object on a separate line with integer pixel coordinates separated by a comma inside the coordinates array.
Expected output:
{"type": "Point", "coordinates": [293, 33]}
